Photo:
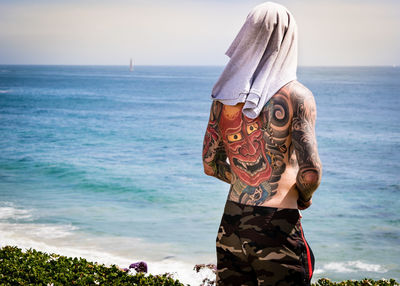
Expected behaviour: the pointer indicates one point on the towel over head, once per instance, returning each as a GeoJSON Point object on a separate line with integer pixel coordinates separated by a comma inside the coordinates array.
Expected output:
{"type": "Point", "coordinates": [263, 58]}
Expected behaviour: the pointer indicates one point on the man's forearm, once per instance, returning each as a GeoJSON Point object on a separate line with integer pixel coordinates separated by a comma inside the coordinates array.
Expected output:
{"type": "Point", "coordinates": [223, 172]}
{"type": "Point", "coordinates": [219, 168]}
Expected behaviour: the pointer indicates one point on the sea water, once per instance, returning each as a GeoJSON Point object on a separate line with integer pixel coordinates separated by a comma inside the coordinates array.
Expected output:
{"type": "Point", "coordinates": [103, 163]}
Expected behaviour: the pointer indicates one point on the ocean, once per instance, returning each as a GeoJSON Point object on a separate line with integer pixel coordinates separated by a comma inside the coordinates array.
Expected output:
{"type": "Point", "coordinates": [103, 163]}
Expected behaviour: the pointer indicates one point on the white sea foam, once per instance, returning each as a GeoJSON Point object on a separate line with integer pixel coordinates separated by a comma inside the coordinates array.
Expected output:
{"type": "Point", "coordinates": [37, 231]}
{"type": "Point", "coordinates": [182, 271]}
{"type": "Point", "coordinates": [350, 266]}
{"type": "Point", "coordinates": [8, 211]}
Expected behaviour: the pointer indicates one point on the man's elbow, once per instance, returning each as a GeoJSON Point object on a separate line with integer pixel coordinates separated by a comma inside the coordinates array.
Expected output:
{"type": "Point", "coordinates": [308, 181]}
{"type": "Point", "coordinates": [312, 178]}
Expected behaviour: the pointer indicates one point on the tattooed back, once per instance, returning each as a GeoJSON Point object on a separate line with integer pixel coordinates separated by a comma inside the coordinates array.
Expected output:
{"type": "Point", "coordinates": [263, 158]}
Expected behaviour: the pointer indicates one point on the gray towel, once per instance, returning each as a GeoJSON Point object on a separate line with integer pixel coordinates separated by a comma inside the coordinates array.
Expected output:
{"type": "Point", "coordinates": [263, 58]}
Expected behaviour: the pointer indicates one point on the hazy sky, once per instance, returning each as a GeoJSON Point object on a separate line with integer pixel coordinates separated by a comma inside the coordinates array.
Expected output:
{"type": "Point", "coordinates": [189, 32]}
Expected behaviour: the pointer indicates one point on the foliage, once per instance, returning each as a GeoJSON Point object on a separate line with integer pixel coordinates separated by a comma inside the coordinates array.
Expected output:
{"type": "Point", "coordinates": [38, 268]}
{"type": "Point", "coordinates": [365, 282]}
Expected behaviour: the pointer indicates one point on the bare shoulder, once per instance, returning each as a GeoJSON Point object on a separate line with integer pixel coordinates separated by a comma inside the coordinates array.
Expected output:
{"type": "Point", "coordinates": [302, 100]}
{"type": "Point", "coordinates": [299, 92]}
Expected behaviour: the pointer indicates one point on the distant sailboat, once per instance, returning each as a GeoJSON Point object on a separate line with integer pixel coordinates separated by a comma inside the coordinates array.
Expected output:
{"type": "Point", "coordinates": [131, 66]}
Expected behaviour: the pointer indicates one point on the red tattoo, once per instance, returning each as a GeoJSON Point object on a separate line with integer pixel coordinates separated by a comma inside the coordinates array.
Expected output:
{"type": "Point", "coordinates": [245, 146]}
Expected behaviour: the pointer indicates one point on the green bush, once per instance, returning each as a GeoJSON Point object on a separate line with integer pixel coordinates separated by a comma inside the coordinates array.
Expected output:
{"type": "Point", "coordinates": [38, 268]}
{"type": "Point", "coordinates": [365, 282]}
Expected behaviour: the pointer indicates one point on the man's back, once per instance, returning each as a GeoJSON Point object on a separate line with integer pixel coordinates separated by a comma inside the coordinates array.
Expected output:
{"type": "Point", "coordinates": [260, 139]}
{"type": "Point", "coordinates": [272, 157]}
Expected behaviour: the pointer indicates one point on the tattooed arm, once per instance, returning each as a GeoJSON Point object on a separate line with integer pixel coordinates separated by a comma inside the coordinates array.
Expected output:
{"type": "Point", "coordinates": [305, 145]}
{"type": "Point", "coordinates": [214, 155]}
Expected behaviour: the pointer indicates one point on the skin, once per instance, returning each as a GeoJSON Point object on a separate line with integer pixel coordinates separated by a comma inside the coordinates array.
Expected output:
{"type": "Point", "coordinates": [271, 160]}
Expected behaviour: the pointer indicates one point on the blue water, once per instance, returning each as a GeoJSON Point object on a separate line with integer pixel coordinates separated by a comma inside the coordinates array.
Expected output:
{"type": "Point", "coordinates": [97, 153]}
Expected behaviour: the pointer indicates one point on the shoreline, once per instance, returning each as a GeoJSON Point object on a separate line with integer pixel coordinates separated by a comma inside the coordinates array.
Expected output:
{"type": "Point", "coordinates": [160, 257]}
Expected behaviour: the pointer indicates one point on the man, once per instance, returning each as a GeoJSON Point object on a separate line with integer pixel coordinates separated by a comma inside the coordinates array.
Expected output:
{"type": "Point", "coordinates": [260, 139]}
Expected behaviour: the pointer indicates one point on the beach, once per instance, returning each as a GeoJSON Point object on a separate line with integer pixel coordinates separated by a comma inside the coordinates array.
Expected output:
{"type": "Point", "coordinates": [103, 163]}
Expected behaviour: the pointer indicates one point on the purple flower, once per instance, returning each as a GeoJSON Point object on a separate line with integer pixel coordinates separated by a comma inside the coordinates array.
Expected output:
{"type": "Point", "coordinates": [139, 266]}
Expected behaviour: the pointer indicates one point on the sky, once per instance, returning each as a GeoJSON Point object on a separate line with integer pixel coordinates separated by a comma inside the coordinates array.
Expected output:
{"type": "Point", "coordinates": [190, 32]}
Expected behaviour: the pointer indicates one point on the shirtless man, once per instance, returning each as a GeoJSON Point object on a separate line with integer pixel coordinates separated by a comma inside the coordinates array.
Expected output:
{"type": "Point", "coordinates": [272, 164]}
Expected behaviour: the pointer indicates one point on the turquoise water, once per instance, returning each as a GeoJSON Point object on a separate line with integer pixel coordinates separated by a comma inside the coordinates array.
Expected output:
{"type": "Point", "coordinates": [98, 159]}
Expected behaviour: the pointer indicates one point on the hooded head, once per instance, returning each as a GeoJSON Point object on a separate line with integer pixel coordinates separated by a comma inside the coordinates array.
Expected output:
{"type": "Point", "coordinates": [263, 58]}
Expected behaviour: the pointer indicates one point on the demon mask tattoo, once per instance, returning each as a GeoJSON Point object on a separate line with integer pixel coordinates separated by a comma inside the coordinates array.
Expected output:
{"type": "Point", "coordinates": [245, 146]}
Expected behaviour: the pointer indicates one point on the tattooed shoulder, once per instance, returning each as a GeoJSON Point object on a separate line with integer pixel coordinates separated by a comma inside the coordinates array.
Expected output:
{"type": "Point", "coordinates": [215, 112]}
{"type": "Point", "coordinates": [303, 102]}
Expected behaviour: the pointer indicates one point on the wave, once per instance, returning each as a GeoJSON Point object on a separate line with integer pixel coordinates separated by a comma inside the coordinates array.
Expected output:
{"type": "Point", "coordinates": [37, 231]}
{"type": "Point", "coordinates": [350, 266]}
{"type": "Point", "coordinates": [18, 222]}
{"type": "Point", "coordinates": [9, 212]}
{"type": "Point", "coordinates": [80, 179]}
{"type": "Point", "coordinates": [83, 178]}
{"type": "Point", "coordinates": [36, 167]}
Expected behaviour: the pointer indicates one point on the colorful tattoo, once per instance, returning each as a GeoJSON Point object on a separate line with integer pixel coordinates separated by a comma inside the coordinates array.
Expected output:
{"type": "Point", "coordinates": [214, 155]}
{"type": "Point", "coordinates": [259, 149]}
{"type": "Point", "coordinates": [245, 146]}
{"type": "Point", "coordinates": [274, 123]}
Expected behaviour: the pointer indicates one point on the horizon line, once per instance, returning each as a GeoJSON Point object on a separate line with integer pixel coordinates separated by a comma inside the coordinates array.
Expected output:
{"type": "Point", "coordinates": [189, 65]}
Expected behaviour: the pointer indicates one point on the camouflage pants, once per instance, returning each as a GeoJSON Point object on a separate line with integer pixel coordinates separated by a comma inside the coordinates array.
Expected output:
{"type": "Point", "coordinates": [262, 246]}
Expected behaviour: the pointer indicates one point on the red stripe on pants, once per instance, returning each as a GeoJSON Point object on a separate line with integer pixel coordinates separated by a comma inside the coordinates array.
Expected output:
{"type": "Point", "coordinates": [308, 254]}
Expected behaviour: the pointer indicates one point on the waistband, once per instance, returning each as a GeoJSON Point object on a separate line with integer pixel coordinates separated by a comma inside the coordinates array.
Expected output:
{"type": "Point", "coordinates": [234, 208]}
